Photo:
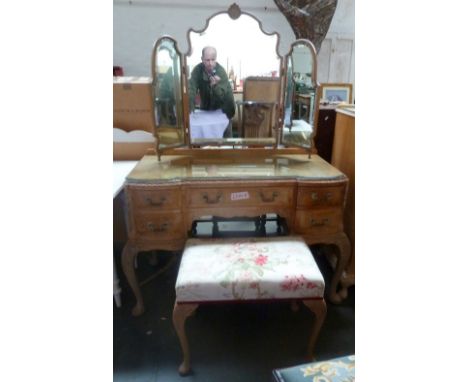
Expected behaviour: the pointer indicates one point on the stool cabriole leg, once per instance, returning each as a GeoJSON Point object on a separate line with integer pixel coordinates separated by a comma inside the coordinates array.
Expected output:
{"type": "Point", "coordinates": [179, 315]}
{"type": "Point", "coordinates": [319, 308]}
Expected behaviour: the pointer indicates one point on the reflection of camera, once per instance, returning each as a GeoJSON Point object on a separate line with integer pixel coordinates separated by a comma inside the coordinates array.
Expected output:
{"type": "Point", "coordinates": [212, 74]}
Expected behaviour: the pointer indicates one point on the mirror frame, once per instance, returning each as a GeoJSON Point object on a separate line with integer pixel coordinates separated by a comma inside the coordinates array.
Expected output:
{"type": "Point", "coordinates": [314, 83]}
{"type": "Point", "coordinates": [240, 146]}
{"type": "Point", "coordinates": [154, 65]}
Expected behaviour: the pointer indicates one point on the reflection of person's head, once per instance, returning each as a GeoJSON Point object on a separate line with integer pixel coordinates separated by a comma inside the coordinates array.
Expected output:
{"type": "Point", "coordinates": [209, 58]}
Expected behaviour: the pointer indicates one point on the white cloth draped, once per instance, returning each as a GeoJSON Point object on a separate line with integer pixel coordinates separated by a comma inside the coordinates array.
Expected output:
{"type": "Point", "coordinates": [208, 124]}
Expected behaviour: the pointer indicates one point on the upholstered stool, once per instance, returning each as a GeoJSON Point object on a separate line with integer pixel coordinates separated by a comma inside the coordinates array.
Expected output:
{"type": "Point", "coordinates": [246, 269]}
{"type": "Point", "coordinates": [333, 370]}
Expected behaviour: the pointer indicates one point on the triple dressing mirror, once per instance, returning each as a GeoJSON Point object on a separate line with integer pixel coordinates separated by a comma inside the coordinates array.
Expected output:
{"type": "Point", "coordinates": [275, 97]}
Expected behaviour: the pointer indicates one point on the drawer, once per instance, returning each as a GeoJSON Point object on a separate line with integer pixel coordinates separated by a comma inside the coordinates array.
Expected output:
{"type": "Point", "coordinates": [308, 197]}
{"type": "Point", "coordinates": [149, 198]}
{"type": "Point", "coordinates": [319, 222]}
{"type": "Point", "coordinates": [245, 196]}
{"type": "Point", "coordinates": [158, 225]}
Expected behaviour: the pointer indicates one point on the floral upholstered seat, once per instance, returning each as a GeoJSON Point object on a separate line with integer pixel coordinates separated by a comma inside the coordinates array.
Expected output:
{"type": "Point", "coordinates": [248, 269]}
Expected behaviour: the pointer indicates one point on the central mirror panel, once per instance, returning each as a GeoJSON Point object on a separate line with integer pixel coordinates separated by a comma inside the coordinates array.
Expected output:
{"type": "Point", "coordinates": [241, 106]}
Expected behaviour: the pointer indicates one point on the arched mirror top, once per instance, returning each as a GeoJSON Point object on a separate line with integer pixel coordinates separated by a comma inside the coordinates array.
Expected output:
{"type": "Point", "coordinates": [304, 57]}
{"type": "Point", "coordinates": [164, 49]}
{"type": "Point", "coordinates": [239, 22]}
{"type": "Point", "coordinates": [243, 47]}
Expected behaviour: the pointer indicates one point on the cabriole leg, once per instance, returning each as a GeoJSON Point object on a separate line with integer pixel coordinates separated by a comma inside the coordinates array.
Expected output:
{"type": "Point", "coordinates": [319, 308]}
{"type": "Point", "coordinates": [128, 261]}
{"type": "Point", "coordinates": [179, 315]}
{"type": "Point", "coordinates": [344, 248]}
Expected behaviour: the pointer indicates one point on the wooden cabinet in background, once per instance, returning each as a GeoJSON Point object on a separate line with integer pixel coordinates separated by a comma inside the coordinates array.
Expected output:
{"type": "Point", "coordinates": [325, 131]}
{"type": "Point", "coordinates": [343, 159]}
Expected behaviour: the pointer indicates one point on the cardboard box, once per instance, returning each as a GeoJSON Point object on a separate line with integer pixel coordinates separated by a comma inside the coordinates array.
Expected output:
{"type": "Point", "coordinates": [133, 104]}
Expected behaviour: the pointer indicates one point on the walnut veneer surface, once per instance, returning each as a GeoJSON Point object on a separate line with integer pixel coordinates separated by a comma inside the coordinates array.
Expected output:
{"type": "Point", "coordinates": [164, 197]}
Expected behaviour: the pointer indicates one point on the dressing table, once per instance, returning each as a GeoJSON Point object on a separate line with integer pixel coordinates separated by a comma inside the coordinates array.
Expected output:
{"type": "Point", "coordinates": [190, 178]}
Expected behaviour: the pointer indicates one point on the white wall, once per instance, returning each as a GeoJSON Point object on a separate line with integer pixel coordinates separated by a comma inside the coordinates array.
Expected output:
{"type": "Point", "coordinates": [336, 56]}
{"type": "Point", "coordinates": [139, 24]}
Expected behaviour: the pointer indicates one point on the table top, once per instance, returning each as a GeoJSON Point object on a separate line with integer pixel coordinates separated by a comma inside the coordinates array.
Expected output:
{"type": "Point", "coordinates": [299, 95]}
{"type": "Point", "coordinates": [278, 167]}
{"type": "Point", "coordinates": [347, 110]}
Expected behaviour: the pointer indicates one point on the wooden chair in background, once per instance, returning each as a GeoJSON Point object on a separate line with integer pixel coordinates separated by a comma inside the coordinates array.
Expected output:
{"type": "Point", "coordinates": [258, 110]}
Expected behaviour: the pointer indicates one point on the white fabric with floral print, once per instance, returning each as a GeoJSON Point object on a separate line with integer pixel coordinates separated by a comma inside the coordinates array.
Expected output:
{"type": "Point", "coordinates": [248, 269]}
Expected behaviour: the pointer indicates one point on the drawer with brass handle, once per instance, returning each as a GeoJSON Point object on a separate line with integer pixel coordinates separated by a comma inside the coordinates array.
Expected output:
{"type": "Point", "coordinates": [241, 196]}
{"type": "Point", "coordinates": [319, 222]}
{"type": "Point", "coordinates": [210, 199]}
{"type": "Point", "coordinates": [320, 196]}
{"type": "Point", "coordinates": [278, 196]}
{"type": "Point", "coordinates": [326, 221]}
{"type": "Point", "coordinates": [158, 228]}
{"type": "Point", "coordinates": [204, 197]}
{"type": "Point", "coordinates": [159, 225]}
{"type": "Point", "coordinates": [157, 199]}
{"type": "Point", "coordinates": [268, 198]}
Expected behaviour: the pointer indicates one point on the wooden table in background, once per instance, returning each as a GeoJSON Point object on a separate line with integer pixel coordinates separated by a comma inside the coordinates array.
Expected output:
{"type": "Point", "coordinates": [303, 103]}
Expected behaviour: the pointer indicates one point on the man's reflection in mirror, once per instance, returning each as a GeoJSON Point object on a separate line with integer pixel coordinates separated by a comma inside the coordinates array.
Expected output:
{"type": "Point", "coordinates": [210, 82]}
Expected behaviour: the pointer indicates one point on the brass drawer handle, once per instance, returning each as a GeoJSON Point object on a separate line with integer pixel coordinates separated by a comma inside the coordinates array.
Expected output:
{"type": "Point", "coordinates": [150, 201]}
{"type": "Point", "coordinates": [268, 200]}
{"type": "Point", "coordinates": [207, 199]}
{"type": "Point", "coordinates": [162, 228]}
{"type": "Point", "coordinates": [315, 196]}
{"type": "Point", "coordinates": [316, 223]}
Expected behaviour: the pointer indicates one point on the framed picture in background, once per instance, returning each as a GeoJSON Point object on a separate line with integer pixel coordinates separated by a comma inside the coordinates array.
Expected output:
{"type": "Point", "coordinates": [336, 93]}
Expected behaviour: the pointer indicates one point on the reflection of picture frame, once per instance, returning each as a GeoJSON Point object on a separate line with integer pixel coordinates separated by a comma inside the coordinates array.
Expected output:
{"type": "Point", "coordinates": [336, 93]}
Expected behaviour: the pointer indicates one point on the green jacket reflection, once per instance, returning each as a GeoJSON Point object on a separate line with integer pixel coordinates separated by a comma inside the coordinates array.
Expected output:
{"type": "Point", "coordinates": [211, 98]}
